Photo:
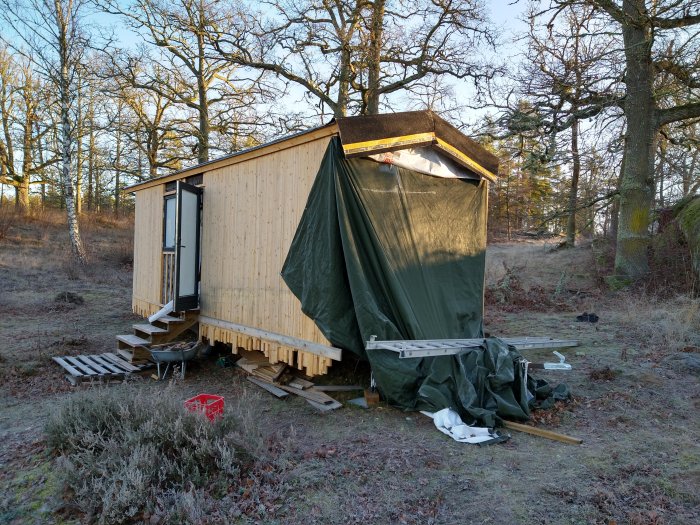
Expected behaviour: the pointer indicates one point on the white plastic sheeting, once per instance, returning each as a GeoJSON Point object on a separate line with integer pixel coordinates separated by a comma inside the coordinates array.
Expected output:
{"type": "Point", "coordinates": [426, 161]}
{"type": "Point", "coordinates": [448, 422]}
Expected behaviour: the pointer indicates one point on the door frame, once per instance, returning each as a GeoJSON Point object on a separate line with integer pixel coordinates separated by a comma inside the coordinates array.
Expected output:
{"type": "Point", "coordinates": [187, 302]}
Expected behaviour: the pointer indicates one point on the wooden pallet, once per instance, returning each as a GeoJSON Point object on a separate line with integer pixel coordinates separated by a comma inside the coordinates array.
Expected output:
{"type": "Point", "coordinates": [103, 367]}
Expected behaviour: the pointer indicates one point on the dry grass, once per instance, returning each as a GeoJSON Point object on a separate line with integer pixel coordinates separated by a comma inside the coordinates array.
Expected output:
{"type": "Point", "coordinates": [536, 276]}
{"type": "Point", "coordinates": [7, 218]}
{"type": "Point", "coordinates": [659, 325]}
{"type": "Point", "coordinates": [379, 465]}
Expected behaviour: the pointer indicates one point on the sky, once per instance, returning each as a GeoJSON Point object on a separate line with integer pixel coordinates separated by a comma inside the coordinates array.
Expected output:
{"type": "Point", "coordinates": [506, 15]}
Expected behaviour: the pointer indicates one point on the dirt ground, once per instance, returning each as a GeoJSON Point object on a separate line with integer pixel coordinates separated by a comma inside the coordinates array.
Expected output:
{"type": "Point", "coordinates": [635, 386]}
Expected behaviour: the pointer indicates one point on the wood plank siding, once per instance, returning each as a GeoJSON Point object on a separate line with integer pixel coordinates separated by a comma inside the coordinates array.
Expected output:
{"type": "Point", "coordinates": [250, 214]}
{"type": "Point", "coordinates": [148, 242]}
{"type": "Point", "coordinates": [252, 205]}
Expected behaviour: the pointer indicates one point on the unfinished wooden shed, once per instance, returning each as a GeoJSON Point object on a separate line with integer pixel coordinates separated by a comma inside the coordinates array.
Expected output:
{"type": "Point", "coordinates": [216, 237]}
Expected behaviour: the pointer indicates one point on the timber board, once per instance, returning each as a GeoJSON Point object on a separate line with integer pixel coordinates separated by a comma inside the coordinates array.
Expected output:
{"type": "Point", "coordinates": [104, 367]}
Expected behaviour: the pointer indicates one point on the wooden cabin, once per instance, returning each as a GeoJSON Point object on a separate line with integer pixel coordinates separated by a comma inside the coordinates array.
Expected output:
{"type": "Point", "coordinates": [213, 238]}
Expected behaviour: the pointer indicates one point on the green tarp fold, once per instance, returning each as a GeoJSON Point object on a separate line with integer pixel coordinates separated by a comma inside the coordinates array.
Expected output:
{"type": "Point", "coordinates": [390, 252]}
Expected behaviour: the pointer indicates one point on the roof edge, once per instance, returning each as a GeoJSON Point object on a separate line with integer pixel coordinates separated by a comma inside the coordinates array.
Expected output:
{"type": "Point", "coordinates": [279, 144]}
{"type": "Point", "coordinates": [370, 134]}
{"type": "Point", "coordinates": [361, 136]}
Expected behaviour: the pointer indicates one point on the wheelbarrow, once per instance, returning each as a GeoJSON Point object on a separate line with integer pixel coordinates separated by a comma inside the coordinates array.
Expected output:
{"type": "Point", "coordinates": [173, 354]}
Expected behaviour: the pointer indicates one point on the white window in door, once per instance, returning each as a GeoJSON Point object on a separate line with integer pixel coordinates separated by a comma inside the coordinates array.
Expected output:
{"type": "Point", "coordinates": [188, 252]}
{"type": "Point", "coordinates": [169, 222]}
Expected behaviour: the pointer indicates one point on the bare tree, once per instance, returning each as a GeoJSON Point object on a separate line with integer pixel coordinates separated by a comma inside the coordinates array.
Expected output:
{"type": "Point", "coordinates": [150, 132]}
{"type": "Point", "coordinates": [49, 33]}
{"type": "Point", "coordinates": [22, 101]}
{"type": "Point", "coordinates": [350, 56]}
{"type": "Point", "coordinates": [659, 38]}
{"type": "Point", "coordinates": [193, 75]}
{"type": "Point", "coordinates": [568, 76]}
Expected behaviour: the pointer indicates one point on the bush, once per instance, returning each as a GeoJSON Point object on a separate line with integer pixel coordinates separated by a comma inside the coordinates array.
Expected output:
{"type": "Point", "coordinates": [125, 455]}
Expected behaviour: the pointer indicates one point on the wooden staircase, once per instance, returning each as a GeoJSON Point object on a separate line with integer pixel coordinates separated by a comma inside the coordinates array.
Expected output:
{"type": "Point", "coordinates": [164, 330]}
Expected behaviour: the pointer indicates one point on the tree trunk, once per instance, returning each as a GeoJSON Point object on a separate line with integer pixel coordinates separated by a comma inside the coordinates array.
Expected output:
{"type": "Point", "coordinates": [65, 100]}
{"type": "Point", "coordinates": [203, 138]}
{"type": "Point", "coordinates": [23, 196]}
{"type": "Point", "coordinates": [79, 179]}
{"type": "Point", "coordinates": [40, 153]}
{"type": "Point", "coordinates": [637, 183]}
{"type": "Point", "coordinates": [374, 62]}
{"type": "Point", "coordinates": [27, 152]}
{"type": "Point", "coordinates": [573, 191]}
{"type": "Point", "coordinates": [204, 125]}
{"type": "Point", "coordinates": [341, 107]}
{"type": "Point", "coordinates": [91, 159]}
{"type": "Point", "coordinates": [117, 167]}
{"type": "Point", "coordinates": [79, 153]}
{"type": "Point", "coordinates": [152, 153]}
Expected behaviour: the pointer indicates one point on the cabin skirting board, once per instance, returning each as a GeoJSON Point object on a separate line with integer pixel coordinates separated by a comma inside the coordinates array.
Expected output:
{"type": "Point", "coordinates": [144, 308]}
{"type": "Point", "coordinates": [312, 364]}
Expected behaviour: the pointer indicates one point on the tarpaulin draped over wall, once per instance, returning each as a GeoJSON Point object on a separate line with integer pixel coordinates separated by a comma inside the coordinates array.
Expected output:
{"type": "Point", "coordinates": [386, 251]}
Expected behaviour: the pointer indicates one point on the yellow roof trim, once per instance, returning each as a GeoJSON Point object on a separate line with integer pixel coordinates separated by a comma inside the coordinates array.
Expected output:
{"type": "Point", "coordinates": [464, 159]}
{"type": "Point", "coordinates": [390, 142]}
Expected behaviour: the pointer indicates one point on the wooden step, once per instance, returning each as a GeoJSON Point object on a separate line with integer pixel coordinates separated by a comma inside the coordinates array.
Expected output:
{"type": "Point", "coordinates": [149, 329]}
{"type": "Point", "coordinates": [153, 334]}
{"type": "Point", "coordinates": [131, 341]}
{"type": "Point", "coordinates": [137, 355]}
{"type": "Point", "coordinates": [174, 330]}
{"type": "Point", "coordinates": [166, 321]}
{"type": "Point", "coordinates": [170, 319]}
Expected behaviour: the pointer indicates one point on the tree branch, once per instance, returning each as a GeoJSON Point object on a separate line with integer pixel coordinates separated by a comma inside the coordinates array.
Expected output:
{"type": "Point", "coordinates": [674, 23]}
{"type": "Point", "coordinates": [676, 113]}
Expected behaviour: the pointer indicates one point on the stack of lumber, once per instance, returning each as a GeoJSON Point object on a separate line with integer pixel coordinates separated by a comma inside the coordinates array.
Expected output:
{"type": "Point", "coordinates": [273, 379]}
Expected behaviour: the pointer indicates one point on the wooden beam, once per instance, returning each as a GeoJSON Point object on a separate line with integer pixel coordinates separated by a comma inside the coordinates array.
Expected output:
{"type": "Point", "coordinates": [286, 340]}
{"type": "Point", "coordinates": [338, 388]}
{"type": "Point", "coordinates": [68, 367]}
{"type": "Point", "coordinates": [542, 433]}
{"type": "Point", "coordinates": [272, 389]}
{"type": "Point", "coordinates": [310, 393]}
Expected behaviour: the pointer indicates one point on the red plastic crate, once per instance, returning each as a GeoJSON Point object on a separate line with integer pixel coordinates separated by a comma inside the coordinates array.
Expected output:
{"type": "Point", "coordinates": [212, 406]}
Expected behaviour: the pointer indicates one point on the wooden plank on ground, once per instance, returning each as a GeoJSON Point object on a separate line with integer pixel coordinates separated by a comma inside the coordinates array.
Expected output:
{"type": "Point", "coordinates": [325, 408]}
{"type": "Point", "coordinates": [310, 393]}
{"type": "Point", "coordinates": [273, 389]}
{"type": "Point", "coordinates": [338, 388]}
{"type": "Point", "coordinates": [269, 372]}
{"type": "Point", "coordinates": [120, 362]}
{"type": "Point", "coordinates": [67, 366]}
{"type": "Point", "coordinates": [542, 433]}
{"type": "Point", "coordinates": [93, 364]}
{"type": "Point", "coordinates": [108, 365]}
{"type": "Point", "coordinates": [86, 370]}
{"type": "Point", "coordinates": [246, 365]}
{"type": "Point", "coordinates": [301, 384]}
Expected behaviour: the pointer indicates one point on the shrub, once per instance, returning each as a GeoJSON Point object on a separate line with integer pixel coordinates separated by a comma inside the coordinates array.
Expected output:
{"type": "Point", "coordinates": [128, 454]}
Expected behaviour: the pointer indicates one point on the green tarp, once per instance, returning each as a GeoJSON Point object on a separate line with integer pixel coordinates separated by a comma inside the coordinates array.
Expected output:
{"type": "Point", "coordinates": [390, 252]}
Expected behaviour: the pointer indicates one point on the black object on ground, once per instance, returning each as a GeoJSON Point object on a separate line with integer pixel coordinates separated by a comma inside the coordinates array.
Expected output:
{"type": "Point", "coordinates": [585, 317]}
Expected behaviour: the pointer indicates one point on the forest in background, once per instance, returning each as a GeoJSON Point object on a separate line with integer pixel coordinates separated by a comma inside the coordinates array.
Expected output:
{"type": "Point", "coordinates": [593, 108]}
